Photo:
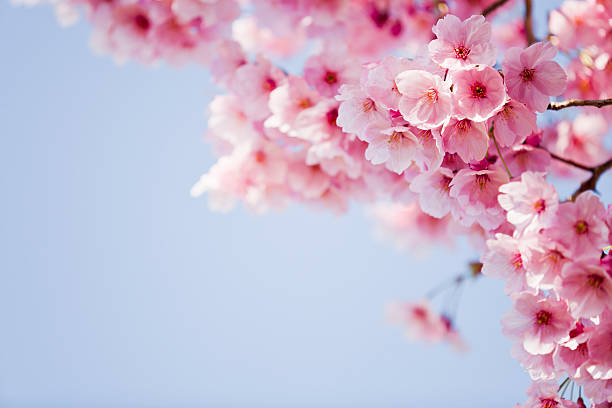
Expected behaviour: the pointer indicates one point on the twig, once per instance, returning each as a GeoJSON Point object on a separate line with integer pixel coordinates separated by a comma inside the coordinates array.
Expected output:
{"type": "Point", "coordinates": [493, 7]}
{"type": "Point", "coordinates": [570, 162]}
{"type": "Point", "coordinates": [492, 136]}
{"type": "Point", "coordinates": [529, 23]}
{"type": "Point", "coordinates": [591, 183]}
{"type": "Point", "coordinates": [598, 103]}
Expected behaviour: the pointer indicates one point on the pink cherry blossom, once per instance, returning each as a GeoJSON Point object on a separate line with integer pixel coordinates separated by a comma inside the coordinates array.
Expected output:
{"type": "Point", "coordinates": [461, 44]}
{"type": "Point", "coordinates": [434, 191]}
{"type": "Point", "coordinates": [580, 225]}
{"type": "Point", "coordinates": [329, 70]}
{"type": "Point", "coordinates": [469, 139]}
{"type": "Point", "coordinates": [587, 288]}
{"type": "Point", "coordinates": [380, 83]}
{"type": "Point", "coordinates": [538, 322]}
{"type": "Point", "coordinates": [478, 93]}
{"type": "Point", "coordinates": [531, 75]}
{"type": "Point", "coordinates": [530, 202]}
{"type": "Point", "coordinates": [476, 193]}
{"type": "Point", "coordinates": [425, 99]}
{"type": "Point", "coordinates": [505, 259]}
{"type": "Point", "coordinates": [513, 123]}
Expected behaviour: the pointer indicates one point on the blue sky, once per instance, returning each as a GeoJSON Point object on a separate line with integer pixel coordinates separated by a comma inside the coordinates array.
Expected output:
{"type": "Point", "coordinates": [120, 290]}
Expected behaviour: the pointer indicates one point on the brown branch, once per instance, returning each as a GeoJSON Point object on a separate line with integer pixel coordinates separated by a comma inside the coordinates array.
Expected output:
{"type": "Point", "coordinates": [493, 7]}
{"type": "Point", "coordinates": [591, 183]}
{"type": "Point", "coordinates": [530, 37]}
{"type": "Point", "coordinates": [598, 103]}
{"type": "Point", "coordinates": [570, 162]}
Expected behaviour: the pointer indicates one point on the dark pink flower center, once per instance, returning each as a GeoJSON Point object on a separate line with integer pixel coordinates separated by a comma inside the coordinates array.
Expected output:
{"type": "Point", "coordinates": [581, 227]}
{"type": "Point", "coordinates": [445, 183]}
{"type": "Point", "coordinates": [332, 115]}
{"type": "Point", "coordinates": [583, 349]}
{"type": "Point", "coordinates": [331, 77]}
{"type": "Point", "coordinates": [527, 75]}
{"type": "Point", "coordinates": [269, 84]}
{"type": "Point", "coordinates": [482, 180]}
{"type": "Point", "coordinates": [461, 52]}
{"type": "Point", "coordinates": [463, 126]}
{"type": "Point", "coordinates": [540, 206]}
{"type": "Point", "coordinates": [397, 28]}
{"type": "Point", "coordinates": [548, 403]}
{"type": "Point", "coordinates": [260, 156]}
{"type": "Point", "coordinates": [595, 281]}
{"type": "Point", "coordinates": [379, 17]}
{"type": "Point", "coordinates": [543, 317]}
{"type": "Point", "coordinates": [142, 22]}
{"type": "Point", "coordinates": [479, 91]}
{"type": "Point", "coordinates": [419, 312]}
{"type": "Point", "coordinates": [517, 261]}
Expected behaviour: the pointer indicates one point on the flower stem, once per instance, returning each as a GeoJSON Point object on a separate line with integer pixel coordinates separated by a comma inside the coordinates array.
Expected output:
{"type": "Point", "coordinates": [492, 136]}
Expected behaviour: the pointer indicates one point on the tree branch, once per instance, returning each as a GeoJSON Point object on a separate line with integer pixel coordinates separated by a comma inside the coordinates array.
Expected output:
{"type": "Point", "coordinates": [529, 23]}
{"type": "Point", "coordinates": [570, 162]}
{"type": "Point", "coordinates": [599, 103]}
{"type": "Point", "coordinates": [493, 7]}
{"type": "Point", "coordinates": [591, 183]}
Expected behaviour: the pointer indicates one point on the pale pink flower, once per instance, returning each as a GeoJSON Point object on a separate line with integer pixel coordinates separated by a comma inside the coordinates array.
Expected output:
{"type": "Point", "coordinates": [505, 259]}
{"type": "Point", "coordinates": [531, 203]}
{"type": "Point", "coordinates": [469, 139]}
{"type": "Point", "coordinates": [526, 158]}
{"type": "Point", "coordinates": [253, 83]}
{"type": "Point", "coordinates": [570, 360]}
{"type": "Point", "coordinates": [587, 287]}
{"type": "Point", "coordinates": [288, 102]}
{"type": "Point", "coordinates": [543, 394]}
{"type": "Point", "coordinates": [327, 71]}
{"type": "Point", "coordinates": [418, 319]}
{"type": "Point", "coordinates": [395, 147]}
{"type": "Point", "coordinates": [539, 366]}
{"type": "Point", "coordinates": [357, 110]}
{"type": "Point", "coordinates": [532, 77]}
{"type": "Point", "coordinates": [598, 391]}
{"type": "Point", "coordinates": [545, 265]}
{"type": "Point", "coordinates": [425, 99]}
{"type": "Point", "coordinates": [317, 123]}
{"type": "Point", "coordinates": [409, 228]}
{"type": "Point", "coordinates": [461, 44]}
{"type": "Point", "coordinates": [310, 181]}
{"type": "Point", "coordinates": [380, 82]}
{"type": "Point", "coordinates": [600, 348]}
{"type": "Point", "coordinates": [434, 191]}
{"type": "Point", "coordinates": [476, 192]}
{"type": "Point", "coordinates": [539, 322]}
{"type": "Point", "coordinates": [478, 93]}
{"type": "Point", "coordinates": [580, 226]}
{"type": "Point", "coordinates": [513, 123]}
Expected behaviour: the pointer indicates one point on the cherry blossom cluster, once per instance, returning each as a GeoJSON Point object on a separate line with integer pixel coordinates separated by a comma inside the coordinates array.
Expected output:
{"type": "Point", "coordinates": [452, 141]}
{"type": "Point", "coordinates": [180, 31]}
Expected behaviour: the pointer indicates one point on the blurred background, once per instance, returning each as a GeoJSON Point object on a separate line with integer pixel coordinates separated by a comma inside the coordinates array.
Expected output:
{"type": "Point", "coordinates": [120, 290]}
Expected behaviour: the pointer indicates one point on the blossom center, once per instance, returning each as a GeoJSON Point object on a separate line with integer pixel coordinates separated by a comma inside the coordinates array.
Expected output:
{"type": "Point", "coordinates": [543, 317]}
{"type": "Point", "coordinates": [583, 349]}
{"type": "Point", "coordinates": [527, 75]}
{"type": "Point", "coordinates": [431, 95]}
{"type": "Point", "coordinates": [540, 206]}
{"type": "Point", "coordinates": [331, 77]}
{"type": "Point", "coordinates": [260, 156]}
{"type": "Point", "coordinates": [482, 180]}
{"type": "Point", "coordinates": [581, 227]}
{"type": "Point", "coordinates": [142, 22]}
{"type": "Point", "coordinates": [479, 91]}
{"type": "Point", "coordinates": [368, 105]}
{"type": "Point", "coordinates": [304, 103]}
{"type": "Point", "coordinates": [595, 281]}
{"type": "Point", "coordinates": [332, 115]}
{"type": "Point", "coordinates": [395, 137]}
{"type": "Point", "coordinates": [548, 403]}
{"type": "Point", "coordinates": [269, 84]}
{"type": "Point", "coordinates": [517, 261]}
{"type": "Point", "coordinates": [463, 127]}
{"type": "Point", "coordinates": [461, 52]}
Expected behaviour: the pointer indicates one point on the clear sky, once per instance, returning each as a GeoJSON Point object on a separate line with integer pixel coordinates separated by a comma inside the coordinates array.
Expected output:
{"type": "Point", "coordinates": [120, 290]}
